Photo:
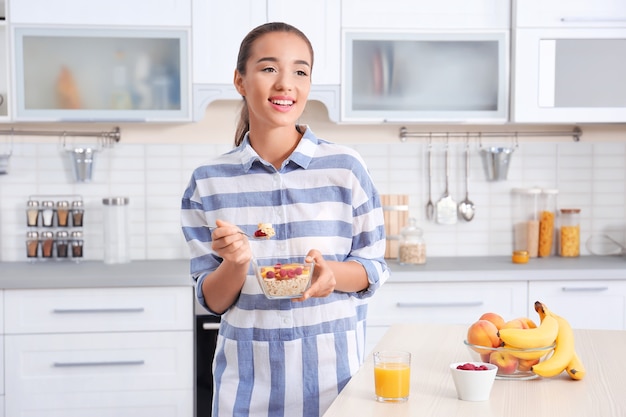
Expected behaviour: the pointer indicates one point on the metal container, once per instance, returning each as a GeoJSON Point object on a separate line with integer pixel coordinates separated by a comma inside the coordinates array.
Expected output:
{"type": "Point", "coordinates": [82, 160]}
{"type": "Point", "coordinates": [496, 161]}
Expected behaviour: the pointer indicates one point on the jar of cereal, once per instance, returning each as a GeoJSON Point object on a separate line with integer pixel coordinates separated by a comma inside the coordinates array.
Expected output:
{"type": "Point", "coordinates": [412, 248]}
{"type": "Point", "coordinates": [569, 243]}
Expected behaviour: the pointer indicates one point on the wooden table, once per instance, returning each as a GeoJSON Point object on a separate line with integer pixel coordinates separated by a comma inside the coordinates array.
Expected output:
{"type": "Point", "coordinates": [601, 394]}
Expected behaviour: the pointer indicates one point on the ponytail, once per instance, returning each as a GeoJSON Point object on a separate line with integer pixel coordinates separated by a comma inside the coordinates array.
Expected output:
{"type": "Point", "coordinates": [243, 124]}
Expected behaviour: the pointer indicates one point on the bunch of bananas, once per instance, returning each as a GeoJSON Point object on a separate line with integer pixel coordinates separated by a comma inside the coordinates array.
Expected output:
{"type": "Point", "coordinates": [553, 330]}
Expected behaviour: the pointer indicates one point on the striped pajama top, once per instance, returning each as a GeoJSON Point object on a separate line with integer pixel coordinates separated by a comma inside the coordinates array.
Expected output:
{"type": "Point", "coordinates": [278, 357]}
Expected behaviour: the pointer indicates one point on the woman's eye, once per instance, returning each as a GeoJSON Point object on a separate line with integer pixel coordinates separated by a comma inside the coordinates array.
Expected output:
{"type": "Point", "coordinates": [268, 69]}
{"type": "Point", "coordinates": [302, 73]}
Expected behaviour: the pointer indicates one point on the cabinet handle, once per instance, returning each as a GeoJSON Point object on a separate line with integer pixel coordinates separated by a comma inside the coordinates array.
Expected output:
{"type": "Point", "coordinates": [210, 326]}
{"type": "Point", "coordinates": [97, 363]}
{"type": "Point", "coordinates": [592, 19]}
{"type": "Point", "coordinates": [580, 289]}
{"type": "Point", "coordinates": [454, 304]}
{"type": "Point", "coordinates": [97, 310]}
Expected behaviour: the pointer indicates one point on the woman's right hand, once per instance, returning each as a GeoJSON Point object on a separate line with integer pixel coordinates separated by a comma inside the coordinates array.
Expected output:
{"type": "Point", "coordinates": [230, 244]}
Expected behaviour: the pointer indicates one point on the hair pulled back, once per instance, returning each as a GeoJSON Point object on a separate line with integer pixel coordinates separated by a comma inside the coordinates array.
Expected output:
{"type": "Point", "coordinates": [245, 50]}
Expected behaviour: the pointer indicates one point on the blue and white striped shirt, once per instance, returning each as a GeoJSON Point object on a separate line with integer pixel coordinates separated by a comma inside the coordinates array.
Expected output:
{"type": "Point", "coordinates": [278, 357]}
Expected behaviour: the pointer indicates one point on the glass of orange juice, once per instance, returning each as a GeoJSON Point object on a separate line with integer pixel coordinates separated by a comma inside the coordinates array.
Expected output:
{"type": "Point", "coordinates": [392, 373]}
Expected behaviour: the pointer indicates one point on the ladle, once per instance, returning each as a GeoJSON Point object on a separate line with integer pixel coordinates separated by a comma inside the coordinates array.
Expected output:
{"type": "Point", "coordinates": [466, 207]}
{"type": "Point", "coordinates": [430, 207]}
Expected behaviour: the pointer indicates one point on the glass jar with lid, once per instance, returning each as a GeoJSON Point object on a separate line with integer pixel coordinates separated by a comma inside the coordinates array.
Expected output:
{"type": "Point", "coordinates": [526, 220]}
{"type": "Point", "coordinates": [569, 243]}
{"type": "Point", "coordinates": [547, 216]}
{"type": "Point", "coordinates": [412, 248]}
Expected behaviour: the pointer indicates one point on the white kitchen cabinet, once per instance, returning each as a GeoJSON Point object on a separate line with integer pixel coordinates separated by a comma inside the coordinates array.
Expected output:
{"type": "Point", "coordinates": [421, 76]}
{"type": "Point", "coordinates": [99, 352]}
{"type": "Point", "coordinates": [425, 14]}
{"type": "Point", "coordinates": [593, 304]}
{"type": "Point", "coordinates": [568, 62]}
{"type": "Point", "coordinates": [442, 302]}
{"type": "Point", "coordinates": [5, 94]}
{"type": "Point", "coordinates": [219, 28]}
{"type": "Point", "coordinates": [164, 13]}
{"type": "Point", "coordinates": [569, 13]}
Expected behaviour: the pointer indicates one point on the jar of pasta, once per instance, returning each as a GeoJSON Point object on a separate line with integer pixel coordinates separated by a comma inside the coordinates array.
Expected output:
{"type": "Point", "coordinates": [412, 248]}
{"type": "Point", "coordinates": [547, 215]}
{"type": "Point", "coordinates": [569, 243]}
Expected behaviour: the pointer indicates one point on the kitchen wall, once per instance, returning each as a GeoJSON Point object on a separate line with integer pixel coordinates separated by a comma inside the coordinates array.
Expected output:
{"type": "Point", "coordinates": [152, 163]}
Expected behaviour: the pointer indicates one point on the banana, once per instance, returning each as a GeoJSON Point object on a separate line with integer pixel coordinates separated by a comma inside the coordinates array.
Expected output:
{"type": "Point", "coordinates": [541, 336]}
{"type": "Point", "coordinates": [576, 369]}
{"type": "Point", "coordinates": [564, 349]}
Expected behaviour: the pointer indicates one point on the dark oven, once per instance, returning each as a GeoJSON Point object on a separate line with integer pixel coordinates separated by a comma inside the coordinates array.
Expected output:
{"type": "Point", "coordinates": [206, 336]}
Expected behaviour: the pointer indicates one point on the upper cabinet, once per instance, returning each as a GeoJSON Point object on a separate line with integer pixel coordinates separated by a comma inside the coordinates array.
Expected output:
{"type": "Point", "coordinates": [4, 64]}
{"type": "Point", "coordinates": [425, 61]}
{"type": "Point", "coordinates": [219, 28]}
{"type": "Point", "coordinates": [100, 61]}
{"type": "Point", "coordinates": [569, 61]}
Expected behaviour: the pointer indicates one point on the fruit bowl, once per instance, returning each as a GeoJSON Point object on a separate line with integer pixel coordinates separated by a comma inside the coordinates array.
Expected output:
{"type": "Point", "coordinates": [282, 280]}
{"type": "Point", "coordinates": [512, 363]}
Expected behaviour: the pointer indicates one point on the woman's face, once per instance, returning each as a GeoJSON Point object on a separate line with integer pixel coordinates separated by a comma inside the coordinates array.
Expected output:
{"type": "Point", "coordinates": [277, 80]}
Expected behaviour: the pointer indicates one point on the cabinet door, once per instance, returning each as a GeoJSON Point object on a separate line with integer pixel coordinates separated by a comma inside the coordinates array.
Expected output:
{"type": "Point", "coordinates": [4, 72]}
{"type": "Point", "coordinates": [585, 304]}
{"type": "Point", "coordinates": [569, 76]}
{"type": "Point", "coordinates": [101, 74]}
{"type": "Point", "coordinates": [570, 13]}
{"type": "Point", "coordinates": [425, 77]}
{"type": "Point", "coordinates": [102, 12]}
{"type": "Point", "coordinates": [425, 14]}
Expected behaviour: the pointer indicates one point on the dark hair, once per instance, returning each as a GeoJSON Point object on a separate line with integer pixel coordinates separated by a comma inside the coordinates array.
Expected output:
{"type": "Point", "coordinates": [243, 125]}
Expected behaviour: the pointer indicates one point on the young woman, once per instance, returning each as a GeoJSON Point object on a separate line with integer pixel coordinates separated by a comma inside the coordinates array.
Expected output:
{"type": "Point", "coordinates": [283, 357]}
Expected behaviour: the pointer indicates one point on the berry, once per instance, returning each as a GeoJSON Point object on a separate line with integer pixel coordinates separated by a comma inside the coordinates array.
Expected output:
{"type": "Point", "coordinates": [259, 233]}
{"type": "Point", "coordinates": [472, 367]}
{"type": "Point", "coordinates": [270, 274]}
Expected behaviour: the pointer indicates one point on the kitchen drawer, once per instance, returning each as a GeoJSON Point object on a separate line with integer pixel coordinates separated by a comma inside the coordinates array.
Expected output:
{"type": "Point", "coordinates": [453, 302]}
{"type": "Point", "coordinates": [98, 310]}
{"type": "Point", "coordinates": [585, 304]}
{"type": "Point", "coordinates": [105, 404]}
{"type": "Point", "coordinates": [99, 362]}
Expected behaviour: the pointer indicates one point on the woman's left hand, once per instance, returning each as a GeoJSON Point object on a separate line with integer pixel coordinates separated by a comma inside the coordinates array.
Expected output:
{"type": "Point", "coordinates": [324, 281]}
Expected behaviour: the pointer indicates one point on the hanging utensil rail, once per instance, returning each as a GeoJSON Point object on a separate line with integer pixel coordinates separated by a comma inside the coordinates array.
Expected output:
{"type": "Point", "coordinates": [114, 135]}
{"type": "Point", "coordinates": [576, 133]}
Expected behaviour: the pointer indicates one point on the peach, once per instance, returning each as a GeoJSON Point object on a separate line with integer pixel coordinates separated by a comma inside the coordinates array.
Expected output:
{"type": "Point", "coordinates": [525, 364]}
{"type": "Point", "coordinates": [495, 318]}
{"type": "Point", "coordinates": [483, 333]}
{"type": "Point", "coordinates": [515, 324]}
{"type": "Point", "coordinates": [506, 363]}
{"type": "Point", "coordinates": [529, 322]}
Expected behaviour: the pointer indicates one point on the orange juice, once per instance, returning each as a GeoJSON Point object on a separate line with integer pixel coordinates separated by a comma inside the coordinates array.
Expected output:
{"type": "Point", "coordinates": [392, 380]}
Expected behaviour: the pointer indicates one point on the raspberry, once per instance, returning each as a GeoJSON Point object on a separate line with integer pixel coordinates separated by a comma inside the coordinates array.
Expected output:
{"type": "Point", "coordinates": [270, 274]}
{"type": "Point", "coordinates": [472, 367]}
{"type": "Point", "coordinates": [298, 270]}
{"type": "Point", "coordinates": [259, 233]}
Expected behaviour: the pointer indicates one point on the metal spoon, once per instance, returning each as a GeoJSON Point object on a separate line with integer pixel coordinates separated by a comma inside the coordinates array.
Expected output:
{"type": "Point", "coordinates": [430, 207]}
{"type": "Point", "coordinates": [466, 207]}
{"type": "Point", "coordinates": [212, 228]}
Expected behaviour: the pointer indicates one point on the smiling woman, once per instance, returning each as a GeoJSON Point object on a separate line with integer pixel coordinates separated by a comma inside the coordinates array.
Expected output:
{"type": "Point", "coordinates": [320, 207]}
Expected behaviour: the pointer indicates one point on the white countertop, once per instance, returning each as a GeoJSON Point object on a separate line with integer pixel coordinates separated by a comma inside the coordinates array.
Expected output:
{"type": "Point", "coordinates": [93, 274]}
{"type": "Point", "coordinates": [61, 274]}
{"type": "Point", "coordinates": [434, 347]}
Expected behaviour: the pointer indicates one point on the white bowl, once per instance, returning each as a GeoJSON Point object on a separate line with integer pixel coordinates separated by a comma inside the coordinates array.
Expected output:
{"type": "Point", "coordinates": [473, 385]}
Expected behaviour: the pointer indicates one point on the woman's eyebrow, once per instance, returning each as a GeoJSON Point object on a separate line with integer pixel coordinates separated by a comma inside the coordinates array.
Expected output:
{"type": "Point", "coordinates": [272, 59]}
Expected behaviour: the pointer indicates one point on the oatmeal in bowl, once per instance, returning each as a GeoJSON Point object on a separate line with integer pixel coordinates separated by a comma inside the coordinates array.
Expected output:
{"type": "Point", "coordinates": [283, 280]}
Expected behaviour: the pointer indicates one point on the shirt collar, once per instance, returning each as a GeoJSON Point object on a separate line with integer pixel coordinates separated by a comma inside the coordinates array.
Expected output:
{"type": "Point", "coordinates": [302, 155]}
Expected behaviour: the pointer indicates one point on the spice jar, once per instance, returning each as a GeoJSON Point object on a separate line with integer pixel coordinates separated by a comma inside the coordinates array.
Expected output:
{"type": "Point", "coordinates": [526, 220]}
{"type": "Point", "coordinates": [77, 244]}
{"type": "Point", "coordinates": [569, 244]}
{"type": "Point", "coordinates": [63, 211]}
{"type": "Point", "coordinates": [62, 244]}
{"type": "Point", "coordinates": [32, 244]}
{"type": "Point", "coordinates": [412, 248]}
{"type": "Point", "coordinates": [47, 213]}
{"type": "Point", "coordinates": [47, 244]}
{"type": "Point", "coordinates": [77, 213]}
{"type": "Point", "coordinates": [32, 213]}
{"type": "Point", "coordinates": [547, 215]}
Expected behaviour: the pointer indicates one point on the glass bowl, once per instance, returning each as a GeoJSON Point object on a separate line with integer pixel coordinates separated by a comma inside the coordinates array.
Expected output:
{"type": "Point", "coordinates": [512, 363]}
{"type": "Point", "coordinates": [286, 280]}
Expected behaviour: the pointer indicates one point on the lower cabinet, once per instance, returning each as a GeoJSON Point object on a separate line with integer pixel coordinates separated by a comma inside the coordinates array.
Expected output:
{"type": "Point", "coordinates": [442, 302]}
{"type": "Point", "coordinates": [102, 352]}
{"type": "Point", "coordinates": [591, 304]}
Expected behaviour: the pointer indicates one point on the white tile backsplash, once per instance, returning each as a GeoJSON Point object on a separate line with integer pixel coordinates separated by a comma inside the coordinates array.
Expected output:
{"type": "Point", "coordinates": [591, 176]}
